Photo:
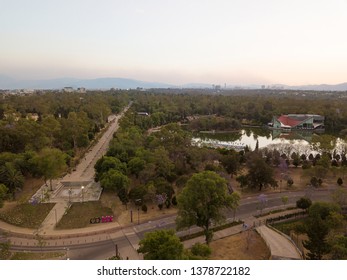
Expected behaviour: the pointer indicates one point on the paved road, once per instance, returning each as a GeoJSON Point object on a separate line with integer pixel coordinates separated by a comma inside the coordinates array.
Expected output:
{"type": "Point", "coordinates": [85, 169]}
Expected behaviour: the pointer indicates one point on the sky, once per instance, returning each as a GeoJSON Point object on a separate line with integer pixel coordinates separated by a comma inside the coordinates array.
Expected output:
{"type": "Point", "coordinates": [233, 42]}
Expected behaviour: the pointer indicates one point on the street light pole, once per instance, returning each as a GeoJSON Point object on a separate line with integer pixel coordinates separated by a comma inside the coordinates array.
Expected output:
{"type": "Point", "coordinates": [56, 220]}
{"type": "Point", "coordinates": [82, 188]}
{"type": "Point", "coordinates": [138, 215]}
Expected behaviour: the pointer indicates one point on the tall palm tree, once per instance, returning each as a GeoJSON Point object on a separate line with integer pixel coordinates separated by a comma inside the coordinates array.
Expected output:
{"type": "Point", "coordinates": [11, 177]}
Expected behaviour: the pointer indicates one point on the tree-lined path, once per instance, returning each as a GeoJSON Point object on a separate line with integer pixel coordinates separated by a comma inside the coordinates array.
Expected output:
{"type": "Point", "coordinates": [84, 172]}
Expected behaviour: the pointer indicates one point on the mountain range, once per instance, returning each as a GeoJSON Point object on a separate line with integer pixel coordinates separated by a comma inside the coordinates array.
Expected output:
{"type": "Point", "coordinates": [123, 83]}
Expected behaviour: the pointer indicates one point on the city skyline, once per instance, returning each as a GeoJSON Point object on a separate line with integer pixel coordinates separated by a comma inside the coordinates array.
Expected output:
{"type": "Point", "coordinates": [176, 42]}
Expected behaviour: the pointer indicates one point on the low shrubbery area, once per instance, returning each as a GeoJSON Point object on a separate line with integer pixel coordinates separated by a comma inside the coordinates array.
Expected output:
{"type": "Point", "coordinates": [274, 212]}
{"type": "Point", "coordinates": [217, 228]}
{"type": "Point", "coordinates": [288, 226]}
{"type": "Point", "coordinates": [295, 215]}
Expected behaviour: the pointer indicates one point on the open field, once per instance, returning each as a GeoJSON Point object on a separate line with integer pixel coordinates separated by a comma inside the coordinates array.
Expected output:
{"type": "Point", "coordinates": [79, 214]}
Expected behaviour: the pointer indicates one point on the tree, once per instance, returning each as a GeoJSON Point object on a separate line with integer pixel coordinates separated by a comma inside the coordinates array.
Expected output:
{"type": "Point", "coordinates": [290, 182]}
{"type": "Point", "coordinates": [340, 181]}
{"type": "Point", "coordinates": [303, 203]}
{"type": "Point", "coordinates": [231, 163]}
{"type": "Point", "coordinates": [116, 181]}
{"type": "Point", "coordinates": [161, 245]}
{"type": "Point", "coordinates": [284, 199]}
{"type": "Point", "coordinates": [323, 217]}
{"type": "Point", "coordinates": [75, 126]}
{"type": "Point", "coordinates": [200, 251]}
{"type": "Point", "coordinates": [296, 159]}
{"type": "Point", "coordinates": [314, 181]}
{"type": "Point", "coordinates": [11, 177]}
{"type": "Point", "coordinates": [317, 231]}
{"type": "Point", "coordinates": [235, 202]}
{"type": "Point", "coordinates": [106, 163]}
{"type": "Point", "coordinates": [50, 163]}
{"type": "Point", "coordinates": [3, 194]}
{"type": "Point", "coordinates": [339, 248]}
{"type": "Point", "coordinates": [201, 202]}
{"type": "Point", "coordinates": [259, 173]}
{"type": "Point", "coordinates": [256, 145]}
{"type": "Point", "coordinates": [136, 165]}
{"type": "Point", "coordinates": [339, 196]}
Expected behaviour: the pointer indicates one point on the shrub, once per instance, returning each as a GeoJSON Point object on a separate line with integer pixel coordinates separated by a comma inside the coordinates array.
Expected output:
{"type": "Point", "coordinates": [201, 250]}
{"type": "Point", "coordinates": [303, 203]}
{"type": "Point", "coordinates": [290, 182]}
{"type": "Point", "coordinates": [314, 181]}
{"type": "Point", "coordinates": [174, 201]}
{"type": "Point", "coordinates": [144, 208]}
{"type": "Point", "coordinates": [339, 181]}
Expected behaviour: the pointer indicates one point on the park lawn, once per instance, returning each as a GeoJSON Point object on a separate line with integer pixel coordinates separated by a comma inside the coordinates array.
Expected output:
{"type": "Point", "coordinates": [79, 214]}
{"type": "Point", "coordinates": [27, 215]}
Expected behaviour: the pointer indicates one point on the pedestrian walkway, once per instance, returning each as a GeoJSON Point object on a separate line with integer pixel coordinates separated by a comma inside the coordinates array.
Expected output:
{"type": "Point", "coordinates": [57, 212]}
{"type": "Point", "coordinates": [78, 185]}
{"type": "Point", "coordinates": [281, 247]}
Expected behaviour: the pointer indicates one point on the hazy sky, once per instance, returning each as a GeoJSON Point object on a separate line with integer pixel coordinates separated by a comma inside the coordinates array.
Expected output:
{"type": "Point", "coordinates": [176, 41]}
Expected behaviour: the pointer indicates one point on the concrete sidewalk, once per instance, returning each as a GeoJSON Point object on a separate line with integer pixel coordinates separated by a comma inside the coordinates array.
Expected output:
{"type": "Point", "coordinates": [280, 246]}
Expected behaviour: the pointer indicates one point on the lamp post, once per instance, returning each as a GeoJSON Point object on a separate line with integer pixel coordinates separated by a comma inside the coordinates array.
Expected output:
{"type": "Point", "coordinates": [82, 189]}
{"type": "Point", "coordinates": [138, 215]}
{"type": "Point", "coordinates": [67, 253]}
{"type": "Point", "coordinates": [282, 177]}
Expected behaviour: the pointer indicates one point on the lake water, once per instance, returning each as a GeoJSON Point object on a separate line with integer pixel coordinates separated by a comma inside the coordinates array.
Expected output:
{"type": "Point", "coordinates": [285, 142]}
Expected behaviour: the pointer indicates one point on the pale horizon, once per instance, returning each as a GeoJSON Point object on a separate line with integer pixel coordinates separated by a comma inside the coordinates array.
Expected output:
{"type": "Point", "coordinates": [231, 42]}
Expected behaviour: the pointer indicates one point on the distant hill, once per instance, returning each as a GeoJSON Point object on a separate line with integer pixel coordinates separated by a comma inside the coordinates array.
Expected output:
{"type": "Point", "coordinates": [122, 83]}
{"type": "Point", "coordinates": [100, 83]}
{"type": "Point", "coordinates": [322, 87]}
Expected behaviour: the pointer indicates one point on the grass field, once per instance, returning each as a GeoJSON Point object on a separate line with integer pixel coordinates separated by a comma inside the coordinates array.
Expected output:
{"type": "Point", "coordinates": [26, 215]}
{"type": "Point", "coordinates": [79, 214]}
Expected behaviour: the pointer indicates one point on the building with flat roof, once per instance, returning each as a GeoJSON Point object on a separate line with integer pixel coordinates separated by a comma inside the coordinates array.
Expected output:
{"type": "Point", "coordinates": [298, 122]}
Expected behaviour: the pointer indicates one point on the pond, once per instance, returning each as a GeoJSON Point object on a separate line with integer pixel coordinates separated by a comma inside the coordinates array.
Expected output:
{"type": "Point", "coordinates": [284, 141]}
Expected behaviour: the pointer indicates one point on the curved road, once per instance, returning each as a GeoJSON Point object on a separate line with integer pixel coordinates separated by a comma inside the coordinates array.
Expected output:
{"type": "Point", "coordinates": [111, 238]}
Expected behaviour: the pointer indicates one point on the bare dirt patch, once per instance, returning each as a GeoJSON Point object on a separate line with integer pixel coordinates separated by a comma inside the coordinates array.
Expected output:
{"type": "Point", "coordinates": [243, 246]}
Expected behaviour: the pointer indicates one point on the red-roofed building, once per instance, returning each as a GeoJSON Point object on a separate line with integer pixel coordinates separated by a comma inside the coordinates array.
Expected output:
{"type": "Point", "coordinates": [298, 121]}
